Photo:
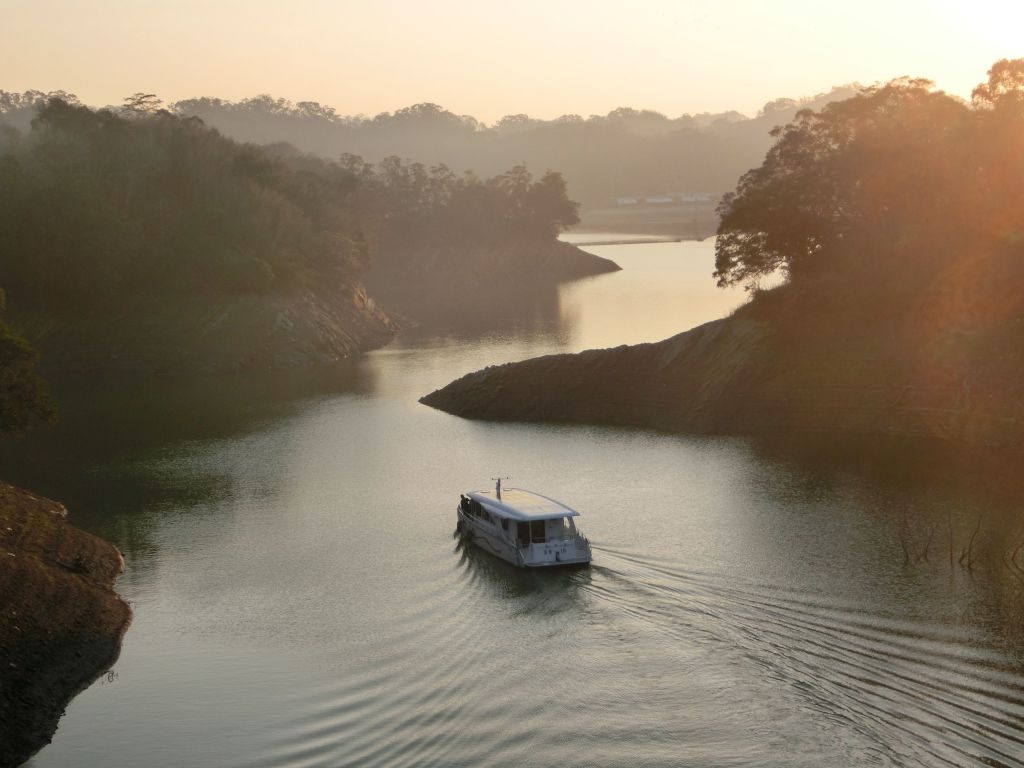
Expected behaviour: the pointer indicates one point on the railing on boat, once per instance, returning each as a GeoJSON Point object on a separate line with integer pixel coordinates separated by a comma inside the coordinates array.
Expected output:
{"type": "Point", "coordinates": [551, 540]}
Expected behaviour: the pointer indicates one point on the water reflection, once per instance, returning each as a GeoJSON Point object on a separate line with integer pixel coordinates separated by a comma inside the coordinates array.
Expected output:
{"type": "Point", "coordinates": [549, 587]}
{"type": "Point", "coordinates": [527, 313]}
{"type": "Point", "coordinates": [117, 456]}
{"type": "Point", "coordinates": [937, 520]}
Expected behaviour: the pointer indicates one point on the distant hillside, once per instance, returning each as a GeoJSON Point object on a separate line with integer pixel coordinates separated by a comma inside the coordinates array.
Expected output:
{"type": "Point", "coordinates": [626, 152]}
{"type": "Point", "coordinates": [149, 237]}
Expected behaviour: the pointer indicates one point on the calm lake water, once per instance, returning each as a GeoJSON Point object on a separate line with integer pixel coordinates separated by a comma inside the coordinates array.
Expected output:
{"type": "Point", "coordinates": [300, 599]}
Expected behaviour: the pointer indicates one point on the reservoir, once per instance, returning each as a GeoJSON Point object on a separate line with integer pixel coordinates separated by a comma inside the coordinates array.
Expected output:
{"type": "Point", "coordinates": [300, 599]}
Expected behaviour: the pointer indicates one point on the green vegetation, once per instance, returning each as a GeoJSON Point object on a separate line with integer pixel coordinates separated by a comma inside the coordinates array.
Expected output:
{"type": "Point", "coordinates": [140, 235]}
{"type": "Point", "coordinates": [896, 193]}
{"type": "Point", "coordinates": [896, 221]}
{"type": "Point", "coordinates": [94, 206]}
{"type": "Point", "coordinates": [407, 203]}
{"type": "Point", "coordinates": [24, 397]}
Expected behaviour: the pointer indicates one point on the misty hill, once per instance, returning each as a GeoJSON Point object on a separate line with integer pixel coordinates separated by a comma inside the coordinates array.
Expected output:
{"type": "Point", "coordinates": [626, 152]}
{"type": "Point", "coordinates": [151, 241]}
{"type": "Point", "coordinates": [148, 240]}
{"type": "Point", "coordinates": [897, 217]}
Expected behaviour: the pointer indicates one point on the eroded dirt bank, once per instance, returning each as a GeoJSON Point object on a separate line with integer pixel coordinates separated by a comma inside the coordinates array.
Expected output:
{"type": "Point", "coordinates": [740, 375]}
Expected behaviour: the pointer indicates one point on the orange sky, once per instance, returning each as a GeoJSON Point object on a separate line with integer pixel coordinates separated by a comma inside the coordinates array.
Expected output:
{"type": "Point", "coordinates": [541, 57]}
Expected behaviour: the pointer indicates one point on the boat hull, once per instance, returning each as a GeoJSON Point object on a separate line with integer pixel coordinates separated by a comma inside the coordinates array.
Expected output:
{"type": "Point", "coordinates": [557, 554]}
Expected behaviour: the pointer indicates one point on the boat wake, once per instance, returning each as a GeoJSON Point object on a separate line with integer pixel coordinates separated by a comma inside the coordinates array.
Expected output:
{"type": "Point", "coordinates": [641, 662]}
{"type": "Point", "coordinates": [923, 694]}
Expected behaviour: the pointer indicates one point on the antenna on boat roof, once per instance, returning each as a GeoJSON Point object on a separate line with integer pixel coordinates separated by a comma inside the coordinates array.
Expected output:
{"type": "Point", "coordinates": [497, 487]}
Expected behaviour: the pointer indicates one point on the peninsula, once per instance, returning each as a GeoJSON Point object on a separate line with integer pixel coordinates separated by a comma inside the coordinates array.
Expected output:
{"type": "Point", "coordinates": [899, 312]}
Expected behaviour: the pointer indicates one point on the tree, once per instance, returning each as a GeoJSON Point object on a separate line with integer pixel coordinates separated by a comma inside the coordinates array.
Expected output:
{"type": "Point", "coordinates": [550, 206]}
{"type": "Point", "coordinates": [141, 103]}
{"type": "Point", "coordinates": [24, 396]}
{"type": "Point", "coordinates": [877, 168]}
{"type": "Point", "coordinates": [1005, 85]}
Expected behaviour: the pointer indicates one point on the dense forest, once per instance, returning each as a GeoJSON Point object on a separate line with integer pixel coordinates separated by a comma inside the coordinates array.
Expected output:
{"type": "Point", "coordinates": [626, 152]}
{"type": "Point", "coordinates": [900, 201]}
{"type": "Point", "coordinates": [24, 397]}
{"type": "Point", "coordinates": [897, 221]}
{"type": "Point", "coordinates": [93, 204]}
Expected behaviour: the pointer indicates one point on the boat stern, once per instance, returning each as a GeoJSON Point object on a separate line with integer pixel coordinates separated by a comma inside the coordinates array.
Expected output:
{"type": "Point", "coordinates": [574, 551]}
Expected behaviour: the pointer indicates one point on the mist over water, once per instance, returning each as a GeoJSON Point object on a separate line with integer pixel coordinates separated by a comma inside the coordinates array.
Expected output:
{"type": "Point", "coordinates": [300, 599]}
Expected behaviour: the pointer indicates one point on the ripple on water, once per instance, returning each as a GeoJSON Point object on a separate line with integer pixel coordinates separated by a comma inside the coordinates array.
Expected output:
{"type": "Point", "coordinates": [898, 691]}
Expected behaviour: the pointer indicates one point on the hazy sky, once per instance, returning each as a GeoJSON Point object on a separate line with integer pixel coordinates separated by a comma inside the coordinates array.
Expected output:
{"type": "Point", "coordinates": [541, 57]}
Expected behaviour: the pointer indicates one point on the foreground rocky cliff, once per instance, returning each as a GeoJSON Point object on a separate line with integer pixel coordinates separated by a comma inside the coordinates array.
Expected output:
{"type": "Point", "coordinates": [742, 375]}
{"type": "Point", "coordinates": [450, 284]}
{"type": "Point", "coordinates": [210, 334]}
{"type": "Point", "coordinates": [61, 623]}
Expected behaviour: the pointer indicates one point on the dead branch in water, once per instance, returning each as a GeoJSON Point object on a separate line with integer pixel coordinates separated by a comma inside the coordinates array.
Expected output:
{"type": "Point", "coordinates": [903, 539]}
{"type": "Point", "coordinates": [970, 543]}
{"type": "Point", "coordinates": [1013, 557]}
{"type": "Point", "coordinates": [949, 523]}
{"type": "Point", "coordinates": [928, 544]}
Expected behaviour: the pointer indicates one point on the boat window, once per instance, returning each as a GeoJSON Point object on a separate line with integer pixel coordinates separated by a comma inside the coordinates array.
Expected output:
{"type": "Point", "coordinates": [537, 532]}
{"type": "Point", "coordinates": [504, 523]}
{"type": "Point", "coordinates": [562, 528]}
{"type": "Point", "coordinates": [523, 533]}
{"type": "Point", "coordinates": [481, 511]}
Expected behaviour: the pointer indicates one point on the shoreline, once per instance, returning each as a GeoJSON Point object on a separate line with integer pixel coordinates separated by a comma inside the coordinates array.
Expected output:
{"type": "Point", "coordinates": [741, 376]}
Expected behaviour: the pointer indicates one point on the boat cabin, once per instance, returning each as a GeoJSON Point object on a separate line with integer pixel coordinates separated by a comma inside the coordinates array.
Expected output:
{"type": "Point", "coordinates": [524, 527]}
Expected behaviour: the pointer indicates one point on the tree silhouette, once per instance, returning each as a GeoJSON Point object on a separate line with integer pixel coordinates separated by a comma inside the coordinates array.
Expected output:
{"type": "Point", "coordinates": [845, 182]}
{"type": "Point", "coordinates": [141, 103]}
{"type": "Point", "coordinates": [1005, 85]}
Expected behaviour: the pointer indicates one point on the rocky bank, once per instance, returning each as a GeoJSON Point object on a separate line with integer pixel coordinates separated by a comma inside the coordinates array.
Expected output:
{"type": "Point", "coordinates": [61, 623]}
{"type": "Point", "coordinates": [205, 334]}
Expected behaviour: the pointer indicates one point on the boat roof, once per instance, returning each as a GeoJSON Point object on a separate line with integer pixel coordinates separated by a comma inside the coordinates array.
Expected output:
{"type": "Point", "coordinates": [517, 504]}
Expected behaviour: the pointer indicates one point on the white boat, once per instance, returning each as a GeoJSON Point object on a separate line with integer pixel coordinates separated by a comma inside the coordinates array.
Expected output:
{"type": "Point", "coordinates": [522, 527]}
